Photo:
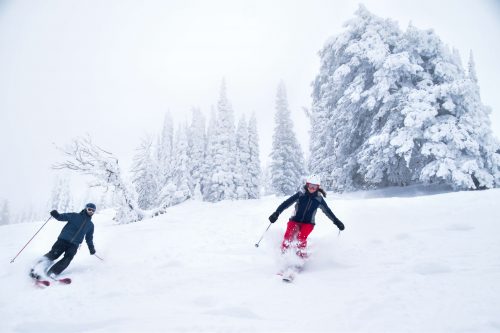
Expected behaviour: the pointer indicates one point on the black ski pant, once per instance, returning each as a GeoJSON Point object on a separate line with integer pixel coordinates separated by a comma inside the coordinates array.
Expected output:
{"type": "Point", "coordinates": [61, 246]}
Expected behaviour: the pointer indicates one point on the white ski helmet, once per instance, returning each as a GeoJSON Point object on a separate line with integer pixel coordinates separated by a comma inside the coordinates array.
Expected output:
{"type": "Point", "coordinates": [313, 179]}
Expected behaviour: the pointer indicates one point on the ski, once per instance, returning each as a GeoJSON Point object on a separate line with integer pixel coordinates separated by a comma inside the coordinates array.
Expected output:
{"type": "Point", "coordinates": [289, 274]}
{"type": "Point", "coordinates": [66, 280]}
{"type": "Point", "coordinates": [292, 264]}
{"type": "Point", "coordinates": [39, 282]}
{"type": "Point", "coordinates": [288, 278]}
{"type": "Point", "coordinates": [42, 283]}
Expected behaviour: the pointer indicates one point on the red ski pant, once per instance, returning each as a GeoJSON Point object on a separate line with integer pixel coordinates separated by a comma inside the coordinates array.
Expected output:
{"type": "Point", "coordinates": [299, 231]}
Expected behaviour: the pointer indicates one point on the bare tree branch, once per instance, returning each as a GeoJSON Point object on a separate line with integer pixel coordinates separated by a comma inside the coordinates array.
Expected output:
{"type": "Point", "coordinates": [84, 157]}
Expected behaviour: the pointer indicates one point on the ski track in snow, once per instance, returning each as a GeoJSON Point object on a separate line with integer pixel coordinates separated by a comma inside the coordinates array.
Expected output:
{"type": "Point", "coordinates": [404, 264]}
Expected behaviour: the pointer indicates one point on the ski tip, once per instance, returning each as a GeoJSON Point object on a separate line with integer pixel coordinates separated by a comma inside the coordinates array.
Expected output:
{"type": "Point", "coordinates": [65, 280]}
{"type": "Point", "coordinates": [42, 283]}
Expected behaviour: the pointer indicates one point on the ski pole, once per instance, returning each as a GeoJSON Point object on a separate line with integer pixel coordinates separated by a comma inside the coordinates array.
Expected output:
{"type": "Point", "coordinates": [257, 244]}
{"type": "Point", "coordinates": [98, 257]}
{"type": "Point", "coordinates": [30, 240]}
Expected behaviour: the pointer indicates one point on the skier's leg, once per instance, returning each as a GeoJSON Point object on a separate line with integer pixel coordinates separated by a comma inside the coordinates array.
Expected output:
{"type": "Point", "coordinates": [57, 249]}
{"type": "Point", "coordinates": [41, 265]}
{"type": "Point", "coordinates": [305, 230]}
{"type": "Point", "coordinates": [61, 265]}
{"type": "Point", "coordinates": [291, 230]}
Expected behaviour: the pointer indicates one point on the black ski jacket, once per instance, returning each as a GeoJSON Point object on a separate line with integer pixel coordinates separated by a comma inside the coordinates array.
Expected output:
{"type": "Point", "coordinates": [79, 226]}
{"type": "Point", "coordinates": [306, 205]}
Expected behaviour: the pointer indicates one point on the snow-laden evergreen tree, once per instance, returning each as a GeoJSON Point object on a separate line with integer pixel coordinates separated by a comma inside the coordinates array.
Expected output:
{"type": "Point", "coordinates": [196, 150]}
{"type": "Point", "coordinates": [267, 186]}
{"type": "Point", "coordinates": [181, 176]}
{"type": "Point", "coordinates": [287, 159]}
{"type": "Point", "coordinates": [61, 197]}
{"type": "Point", "coordinates": [144, 176]}
{"type": "Point", "coordinates": [343, 110]}
{"type": "Point", "coordinates": [471, 70]}
{"type": "Point", "coordinates": [5, 213]}
{"type": "Point", "coordinates": [222, 151]}
{"type": "Point", "coordinates": [209, 157]}
{"type": "Point", "coordinates": [394, 108]}
{"type": "Point", "coordinates": [242, 160]}
{"type": "Point", "coordinates": [254, 169]}
{"type": "Point", "coordinates": [164, 153]}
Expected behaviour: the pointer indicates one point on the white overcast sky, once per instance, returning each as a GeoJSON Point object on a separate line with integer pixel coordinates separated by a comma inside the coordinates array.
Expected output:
{"type": "Point", "coordinates": [112, 68]}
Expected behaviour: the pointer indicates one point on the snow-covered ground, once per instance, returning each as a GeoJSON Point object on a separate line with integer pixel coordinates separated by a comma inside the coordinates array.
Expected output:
{"type": "Point", "coordinates": [405, 263]}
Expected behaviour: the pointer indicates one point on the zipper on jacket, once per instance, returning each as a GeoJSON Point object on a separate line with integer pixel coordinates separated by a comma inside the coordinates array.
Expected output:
{"type": "Point", "coordinates": [307, 207]}
{"type": "Point", "coordinates": [80, 229]}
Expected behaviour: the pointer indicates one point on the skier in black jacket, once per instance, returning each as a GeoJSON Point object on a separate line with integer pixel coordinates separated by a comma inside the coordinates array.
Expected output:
{"type": "Point", "coordinates": [78, 227]}
{"type": "Point", "coordinates": [301, 224]}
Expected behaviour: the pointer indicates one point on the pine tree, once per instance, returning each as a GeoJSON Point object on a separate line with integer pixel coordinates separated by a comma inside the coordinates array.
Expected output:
{"type": "Point", "coordinates": [222, 183]}
{"type": "Point", "coordinates": [394, 108]}
{"type": "Point", "coordinates": [61, 197]}
{"type": "Point", "coordinates": [287, 165]}
{"type": "Point", "coordinates": [471, 72]}
{"type": "Point", "coordinates": [211, 149]}
{"type": "Point", "coordinates": [267, 186]}
{"type": "Point", "coordinates": [164, 152]}
{"type": "Point", "coordinates": [197, 146]}
{"type": "Point", "coordinates": [144, 175]}
{"type": "Point", "coordinates": [255, 173]}
{"type": "Point", "coordinates": [5, 213]}
{"type": "Point", "coordinates": [181, 177]}
{"type": "Point", "coordinates": [242, 159]}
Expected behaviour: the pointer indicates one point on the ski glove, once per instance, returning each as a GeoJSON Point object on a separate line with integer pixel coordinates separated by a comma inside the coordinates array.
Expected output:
{"type": "Point", "coordinates": [274, 217]}
{"type": "Point", "coordinates": [339, 225]}
{"type": "Point", "coordinates": [54, 213]}
{"type": "Point", "coordinates": [92, 250]}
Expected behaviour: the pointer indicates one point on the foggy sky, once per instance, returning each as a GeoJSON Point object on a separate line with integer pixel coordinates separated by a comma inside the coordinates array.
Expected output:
{"type": "Point", "coordinates": [111, 69]}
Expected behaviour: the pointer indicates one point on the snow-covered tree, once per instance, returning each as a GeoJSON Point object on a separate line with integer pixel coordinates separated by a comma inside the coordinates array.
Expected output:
{"type": "Point", "coordinates": [61, 197]}
{"type": "Point", "coordinates": [242, 160]}
{"type": "Point", "coordinates": [86, 158]}
{"type": "Point", "coordinates": [267, 186]}
{"type": "Point", "coordinates": [209, 158]}
{"type": "Point", "coordinates": [287, 159]}
{"type": "Point", "coordinates": [196, 150]}
{"type": "Point", "coordinates": [164, 153]}
{"type": "Point", "coordinates": [144, 176]}
{"type": "Point", "coordinates": [181, 176]}
{"type": "Point", "coordinates": [222, 149]}
{"type": "Point", "coordinates": [254, 169]}
{"type": "Point", "coordinates": [396, 108]}
{"type": "Point", "coordinates": [5, 213]}
{"type": "Point", "coordinates": [471, 70]}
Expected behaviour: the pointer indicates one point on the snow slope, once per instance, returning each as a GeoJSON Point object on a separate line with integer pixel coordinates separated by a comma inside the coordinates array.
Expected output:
{"type": "Point", "coordinates": [404, 263]}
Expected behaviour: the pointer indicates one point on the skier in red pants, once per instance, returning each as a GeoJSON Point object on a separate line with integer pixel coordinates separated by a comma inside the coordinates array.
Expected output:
{"type": "Point", "coordinates": [301, 224]}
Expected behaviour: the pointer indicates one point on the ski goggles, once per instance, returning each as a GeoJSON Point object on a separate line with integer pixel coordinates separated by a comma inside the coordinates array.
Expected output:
{"type": "Point", "coordinates": [312, 186]}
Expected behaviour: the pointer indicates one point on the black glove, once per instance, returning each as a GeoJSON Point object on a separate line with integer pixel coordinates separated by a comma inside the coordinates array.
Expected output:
{"type": "Point", "coordinates": [274, 217]}
{"type": "Point", "coordinates": [54, 213]}
{"type": "Point", "coordinates": [340, 225]}
{"type": "Point", "coordinates": [92, 250]}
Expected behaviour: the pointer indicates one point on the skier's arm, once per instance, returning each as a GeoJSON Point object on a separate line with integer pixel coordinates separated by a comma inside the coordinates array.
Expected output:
{"type": "Point", "coordinates": [60, 217]}
{"type": "Point", "coordinates": [287, 203]}
{"type": "Point", "coordinates": [284, 205]}
{"type": "Point", "coordinates": [328, 212]}
{"type": "Point", "coordinates": [89, 238]}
